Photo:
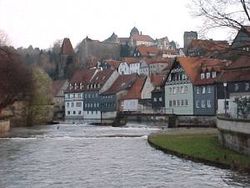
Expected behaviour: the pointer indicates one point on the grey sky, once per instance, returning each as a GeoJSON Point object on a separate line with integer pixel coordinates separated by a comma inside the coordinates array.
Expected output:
{"type": "Point", "coordinates": [41, 22]}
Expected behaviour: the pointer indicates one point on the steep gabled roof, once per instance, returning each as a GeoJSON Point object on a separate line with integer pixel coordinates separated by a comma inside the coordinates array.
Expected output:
{"type": "Point", "coordinates": [147, 50]}
{"type": "Point", "coordinates": [157, 80]}
{"type": "Point", "coordinates": [239, 70]}
{"type": "Point", "coordinates": [57, 86]}
{"type": "Point", "coordinates": [113, 63]}
{"type": "Point", "coordinates": [82, 76]}
{"type": "Point", "coordinates": [123, 82]}
{"type": "Point", "coordinates": [67, 48]}
{"type": "Point", "coordinates": [101, 76]}
{"type": "Point", "coordinates": [130, 60]}
{"type": "Point", "coordinates": [208, 45]}
{"type": "Point", "coordinates": [145, 38]}
{"type": "Point", "coordinates": [135, 91]}
{"type": "Point", "coordinates": [194, 66]}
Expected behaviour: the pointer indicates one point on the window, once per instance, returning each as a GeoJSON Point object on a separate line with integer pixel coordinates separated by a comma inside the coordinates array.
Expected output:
{"type": "Point", "coordinates": [170, 103]}
{"type": "Point", "coordinates": [160, 99]}
{"type": "Point", "coordinates": [208, 103]}
{"type": "Point", "coordinates": [213, 74]}
{"type": "Point", "coordinates": [182, 102]}
{"type": "Point", "coordinates": [79, 95]}
{"type": "Point", "coordinates": [203, 89]}
{"type": "Point", "coordinates": [155, 99]}
{"type": "Point", "coordinates": [247, 86]}
{"type": "Point", "coordinates": [208, 75]}
{"type": "Point", "coordinates": [174, 90]}
{"type": "Point", "coordinates": [197, 90]}
{"type": "Point", "coordinates": [74, 112]}
{"type": "Point", "coordinates": [170, 90]}
{"type": "Point", "coordinates": [174, 102]}
{"type": "Point", "coordinates": [197, 104]}
{"type": "Point", "coordinates": [186, 102]}
{"type": "Point", "coordinates": [203, 105]}
{"type": "Point", "coordinates": [78, 104]}
{"type": "Point", "coordinates": [236, 87]}
{"type": "Point", "coordinates": [209, 89]}
{"type": "Point", "coordinates": [186, 89]}
{"type": "Point", "coordinates": [72, 104]}
{"type": "Point", "coordinates": [178, 102]}
{"type": "Point", "coordinates": [202, 75]}
{"type": "Point", "coordinates": [68, 112]}
{"type": "Point", "coordinates": [67, 104]}
{"type": "Point", "coordinates": [182, 89]}
{"type": "Point", "coordinates": [79, 112]}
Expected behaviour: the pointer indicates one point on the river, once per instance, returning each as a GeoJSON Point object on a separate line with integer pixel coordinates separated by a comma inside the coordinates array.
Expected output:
{"type": "Point", "coordinates": [100, 157]}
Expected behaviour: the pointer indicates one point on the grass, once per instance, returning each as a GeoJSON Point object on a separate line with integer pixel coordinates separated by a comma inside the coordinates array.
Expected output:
{"type": "Point", "coordinates": [200, 147]}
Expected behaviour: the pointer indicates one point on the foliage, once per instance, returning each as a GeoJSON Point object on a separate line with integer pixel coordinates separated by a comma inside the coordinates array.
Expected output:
{"type": "Point", "coordinates": [15, 77]}
{"type": "Point", "coordinates": [201, 146]}
{"type": "Point", "coordinates": [42, 91]}
{"type": "Point", "coordinates": [243, 107]}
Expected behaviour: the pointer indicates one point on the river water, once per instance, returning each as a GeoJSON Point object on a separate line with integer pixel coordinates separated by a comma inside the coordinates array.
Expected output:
{"type": "Point", "coordinates": [100, 157]}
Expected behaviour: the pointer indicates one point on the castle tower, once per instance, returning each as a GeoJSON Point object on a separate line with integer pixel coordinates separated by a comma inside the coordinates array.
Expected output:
{"type": "Point", "coordinates": [134, 31]}
{"type": "Point", "coordinates": [188, 37]}
{"type": "Point", "coordinates": [66, 58]}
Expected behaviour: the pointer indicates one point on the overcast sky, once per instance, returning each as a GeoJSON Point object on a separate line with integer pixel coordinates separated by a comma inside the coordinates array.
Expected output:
{"type": "Point", "coordinates": [41, 22]}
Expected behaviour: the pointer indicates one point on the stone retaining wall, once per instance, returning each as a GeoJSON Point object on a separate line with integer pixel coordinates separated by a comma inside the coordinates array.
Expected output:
{"type": "Point", "coordinates": [4, 126]}
{"type": "Point", "coordinates": [234, 134]}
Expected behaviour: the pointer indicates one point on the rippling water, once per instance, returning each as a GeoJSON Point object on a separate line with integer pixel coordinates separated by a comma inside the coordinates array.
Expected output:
{"type": "Point", "coordinates": [89, 156]}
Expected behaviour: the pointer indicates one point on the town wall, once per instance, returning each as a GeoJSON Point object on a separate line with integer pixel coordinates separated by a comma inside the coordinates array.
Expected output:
{"type": "Point", "coordinates": [234, 134]}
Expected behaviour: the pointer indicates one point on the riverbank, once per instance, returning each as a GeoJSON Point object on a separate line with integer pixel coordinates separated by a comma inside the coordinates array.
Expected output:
{"type": "Point", "coordinates": [200, 145]}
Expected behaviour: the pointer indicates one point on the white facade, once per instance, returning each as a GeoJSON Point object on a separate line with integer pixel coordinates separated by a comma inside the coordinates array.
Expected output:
{"type": "Point", "coordinates": [144, 68]}
{"type": "Point", "coordinates": [130, 105]}
{"type": "Point", "coordinates": [134, 68]}
{"type": "Point", "coordinates": [147, 89]}
{"type": "Point", "coordinates": [73, 105]}
{"type": "Point", "coordinates": [123, 68]}
{"type": "Point", "coordinates": [179, 99]}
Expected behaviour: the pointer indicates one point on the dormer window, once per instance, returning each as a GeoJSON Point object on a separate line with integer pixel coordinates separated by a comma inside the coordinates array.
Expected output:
{"type": "Point", "coordinates": [202, 76]}
{"type": "Point", "coordinates": [208, 75]}
{"type": "Point", "coordinates": [213, 74]}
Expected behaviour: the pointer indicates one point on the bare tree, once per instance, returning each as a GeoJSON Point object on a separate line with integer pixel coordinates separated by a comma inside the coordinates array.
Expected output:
{"type": "Point", "coordinates": [233, 14]}
{"type": "Point", "coordinates": [15, 77]}
{"type": "Point", "coordinates": [4, 39]}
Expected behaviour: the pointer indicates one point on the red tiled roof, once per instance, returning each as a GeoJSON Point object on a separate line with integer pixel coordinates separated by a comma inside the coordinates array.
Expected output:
{"type": "Point", "coordinates": [147, 50]}
{"type": "Point", "coordinates": [241, 62]}
{"type": "Point", "coordinates": [101, 76]}
{"type": "Point", "coordinates": [67, 48]}
{"type": "Point", "coordinates": [164, 61]}
{"type": "Point", "coordinates": [239, 70]}
{"type": "Point", "coordinates": [123, 82]}
{"type": "Point", "coordinates": [57, 86]}
{"type": "Point", "coordinates": [145, 38]}
{"type": "Point", "coordinates": [135, 91]}
{"type": "Point", "coordinates": [113, 63]}
{"type": "Point", "coordinates": [193, 66]}
{"type": "Point", "coordinates": [157, 80]}
{"type": "Point", "coordinates": [235, 75]}
{"type": "Point", "coordinates": [130, 60]}
{"type": "Point", "coordinates": [82, 76]}
{"type": "Point", "coordinates": [208, 45]}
